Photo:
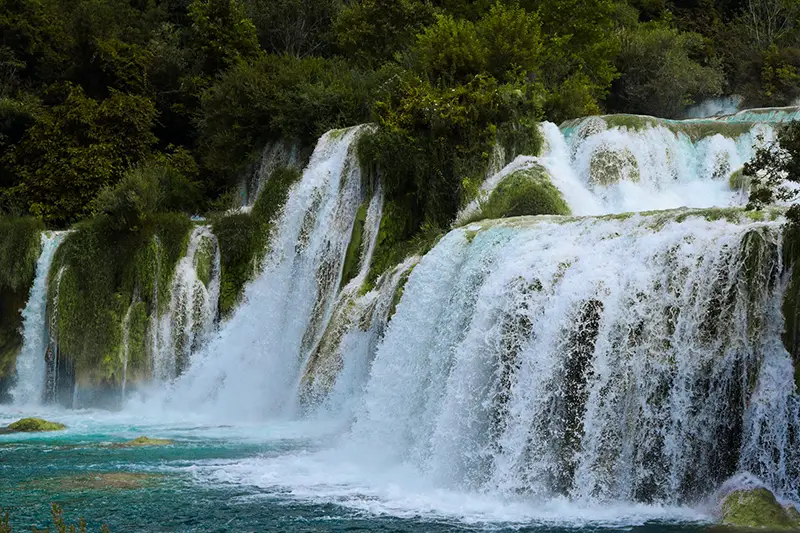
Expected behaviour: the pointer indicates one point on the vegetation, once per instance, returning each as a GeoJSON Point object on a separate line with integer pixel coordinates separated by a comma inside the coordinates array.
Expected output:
{"type": "Point", "coordinates": [99, 272]}
{"type": "Point", "coordinates": [757, 508]}
{"type": "Point", "coordinates": [20, 246]}
{"type": "Point", "coordinates": [244, 237]}
{"type": "Point", "coordinates": [144, 441]}
{"type": "Point", "coordinates": [524, 192]}
{"type": "Point", "coordinates": [773, 166]}
{"type": "Point", "coordinates": [59, 525]}
{"type": "Point", "coordinates": [94, 92]}
{"type": "Point", "coordinates": [35, 425]}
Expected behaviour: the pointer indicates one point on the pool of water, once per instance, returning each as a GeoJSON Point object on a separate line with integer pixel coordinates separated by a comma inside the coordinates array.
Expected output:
{"type": "Point", "coordinates": [292, 477]}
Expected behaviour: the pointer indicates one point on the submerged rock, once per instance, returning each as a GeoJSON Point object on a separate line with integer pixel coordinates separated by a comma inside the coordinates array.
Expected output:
{"type": "Point", "coordinates": [94, 481]}
{"type": "Point", "coordinates": [32, 425]}
{"type": "Point", "coordinates": [144, 441]}
{"type": "Point", "coordinates": [758, 508]}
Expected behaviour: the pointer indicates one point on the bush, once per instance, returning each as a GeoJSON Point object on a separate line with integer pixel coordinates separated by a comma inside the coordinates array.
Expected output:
{"type": "Point", "coordinates": [77, 147]}
{"type": "Point", "coordinates": [143, 191]}
{"type": "Point", "coordinates": [279, 98]}
{"type": "Point", "coordinates": [657, 73]}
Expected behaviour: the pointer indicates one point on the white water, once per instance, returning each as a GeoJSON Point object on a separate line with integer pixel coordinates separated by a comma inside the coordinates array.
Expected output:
{"type": "Point", "coordinates": [192, 312]}
{"type": "Point", "coordinates": [31, 364]}
{"type": "Point", "coordinates": [250, 368]}
{"type": "Point", "coordinates": [543, 369]}
{"type": "Point", "coordinates": [543, 349]}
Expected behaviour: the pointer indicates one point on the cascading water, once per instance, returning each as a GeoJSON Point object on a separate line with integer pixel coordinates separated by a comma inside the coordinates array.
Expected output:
{"type": "Point", "coordinates": [192, 312]}
{"type": "Point", "coordinates": [633, 359]}
{"type": "Point", "coordinates": [31, 362]}
{"type": "Point", "coordinates": [623, 358]}
{"type": "Point", "coordinates": [252, 366]}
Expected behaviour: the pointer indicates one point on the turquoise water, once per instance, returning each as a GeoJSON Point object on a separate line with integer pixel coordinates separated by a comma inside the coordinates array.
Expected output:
{"type": "Point", "coordinates": [259, 477]}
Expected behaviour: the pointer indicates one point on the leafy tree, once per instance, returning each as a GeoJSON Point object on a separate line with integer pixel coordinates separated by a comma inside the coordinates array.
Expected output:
{"type": "Point", "coordinates": [579, 50]}
{"type": "Point", "coordinates": [222, 33]}
{"type": "Point", "coordinates": [77, 147]}
{"type": "Point", "coordinates": [279, 97]}
{"type": "Point", "coordinates": [295, 27]}
{"type": "Point", "coordinates": [371, 32]}
{"type": "Point", "coordinates": [773, 166]}
{"type": "Point", "coordinates": [657, 73]}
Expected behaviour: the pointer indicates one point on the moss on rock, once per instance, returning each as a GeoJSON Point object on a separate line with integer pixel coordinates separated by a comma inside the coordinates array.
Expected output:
{"type": "Point", "coordinates": [98, 274]}
{"type": "Point", "coordinates": [144, 441]}
{"type": "Point", "coordinates": [523, 192]}
{"type": "Point", "coordinates": [244, 237]}
{"type": "Point", "coordinates": [756, 508]}
{"type": "Point", "coordinates": [34, 425]}
{"type": "Point", "coordinates": [352, 259]}
{"type": "Point", "coordinates": [94, 481]}
{"type": "Point", "coordinates": [612, 165]}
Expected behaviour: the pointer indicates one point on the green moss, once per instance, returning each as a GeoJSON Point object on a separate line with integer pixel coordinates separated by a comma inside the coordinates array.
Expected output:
{"type": "Point", "coordinates": [694, 129]}
{"type": "Point", "coordinates": [20, 246]}
{"type": "Point", "coordinates": [100, 481]}
{"type": "Point", "coordinates": [98, 273]}
{"type": "Point", "coordinates": [524, 192]}
{"type": "Point", "coordinates": [244, 237]}
{"type": "Point", "coordinates": [352, 260]}
{"type": "Point", "coordinates": [35, 425]}
{"type": "Point", "coordinates": [393, 245]}
{"type": "Point", "coordinates": [738, 181]}
{"type": "Point", "coordinates": [204, 260]}
{"type": "Point", "coordinates": [398, 292]}
{"type": "Point", "coordinates": [791, 298]}
{"type": "Point", "coordinates": [756, 508]}
{"type": "Point", "coordinates": [612, 166]}
{"type": "Point", "coordinates": [144, 441]}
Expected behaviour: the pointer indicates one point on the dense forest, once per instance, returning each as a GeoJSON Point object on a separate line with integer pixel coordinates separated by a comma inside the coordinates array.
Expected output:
{"type": "Point", "coordinates": [125, 108]}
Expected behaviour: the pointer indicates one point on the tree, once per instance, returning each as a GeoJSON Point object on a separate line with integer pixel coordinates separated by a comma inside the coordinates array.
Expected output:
{"type": "Point", "coordinates": [657, 73]}
{"type": "Point", "coordinates": [772, 166]}
{"type": "Point", "coordinates": [295, 27]}
{"type": "Point", "coordinates": [372, 31]}
{"type": "Point", "coordinates": [75, 148]}
{"type": "Point", "coordinates": [222, 34]}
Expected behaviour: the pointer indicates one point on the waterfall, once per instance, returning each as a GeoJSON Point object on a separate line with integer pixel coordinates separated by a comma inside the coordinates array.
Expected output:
{"type": "Point", "coordinates": [634, 358]}
{"type": "Point", "coordinates": [251, 367]}
{"type": "Point", "coordinates": [192, 311]}
{"type": "Point", "coordinates": [31, 362]}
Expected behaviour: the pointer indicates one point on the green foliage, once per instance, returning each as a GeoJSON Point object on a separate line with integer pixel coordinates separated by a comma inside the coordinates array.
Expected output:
{"type": "Point", "coordinates": [352, 259]}
{"type": "Point", "coordinates": [20, 245]}
{"type": "Point", "coordinates": [60, 526]}
{"type": "Point", "coordinates": [98, 273]}
{"type": "Point", "coordinates": [579, 53]}
{"type": "Point", "coordinates": [144, 191]}
{"type": "Point", "coordinates": [35, 425]}
{"type": "Point", "coordinates": [279, 97]}
{"type": "Point", "coordinates": [371, 32]}
{"type": "Point", "coordinates": [76, 148]}
{"type": "Point", "coordinates": [244, 237]}
{"type": "Point", "coordinates": [223, 32]}
{"type": "Point", "coordinates": [658, 75]}
{"type": "Point", "coordinates": [772, 165]}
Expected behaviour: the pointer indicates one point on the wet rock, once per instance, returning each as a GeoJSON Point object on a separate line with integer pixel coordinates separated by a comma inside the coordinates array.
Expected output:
{"type": "Point", "coordinates": [758, 508]}
{"type": "Point", "coordinates": [32, 425]}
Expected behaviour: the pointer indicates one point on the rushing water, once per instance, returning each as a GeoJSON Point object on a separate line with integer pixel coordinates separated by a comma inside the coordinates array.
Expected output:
{"type": "Point", "coordinates": [31, 362]}
{"type": "Point", "coordinates": [532, 374]}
